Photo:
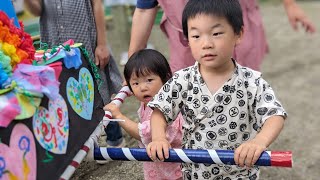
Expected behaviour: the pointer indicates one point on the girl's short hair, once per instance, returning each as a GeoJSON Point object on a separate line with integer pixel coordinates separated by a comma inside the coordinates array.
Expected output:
{"type": "Point", "coordinates": [229, 9]}
{"type": "Point", "coordinates": [147, 61]}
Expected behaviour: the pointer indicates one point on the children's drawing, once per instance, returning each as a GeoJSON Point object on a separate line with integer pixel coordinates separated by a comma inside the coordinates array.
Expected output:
{"type": "Point", "coordinates": [81, 94]}
{"type": "Point", "coordinates": [18, 160]}
{"type": "Point", "coordinates": [51, 127]}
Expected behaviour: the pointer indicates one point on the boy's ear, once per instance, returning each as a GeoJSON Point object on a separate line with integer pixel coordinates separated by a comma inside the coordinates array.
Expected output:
{"type": "Point", "coordinates": [240, 35]}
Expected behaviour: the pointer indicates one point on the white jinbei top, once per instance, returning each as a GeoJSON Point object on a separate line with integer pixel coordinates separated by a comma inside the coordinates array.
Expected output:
{"type": "Point", "coordinates": [223, 120]}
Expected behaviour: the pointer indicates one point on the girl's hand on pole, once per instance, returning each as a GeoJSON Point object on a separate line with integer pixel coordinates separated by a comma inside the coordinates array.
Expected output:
{"type": "Point", "coordinates": [158, 149]}
{"type": "Point", "coordinates": [113, 109]}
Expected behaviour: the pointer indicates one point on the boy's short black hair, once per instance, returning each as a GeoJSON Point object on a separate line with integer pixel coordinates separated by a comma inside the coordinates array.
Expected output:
{"type": "Point", "coordinates": [147, 61]}
{"type": "Point", "coordinates": [230, 9]}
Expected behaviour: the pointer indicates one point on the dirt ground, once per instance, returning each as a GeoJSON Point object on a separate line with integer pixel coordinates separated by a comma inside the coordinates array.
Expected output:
{"type": "Point", "coordinates": [292, 68]}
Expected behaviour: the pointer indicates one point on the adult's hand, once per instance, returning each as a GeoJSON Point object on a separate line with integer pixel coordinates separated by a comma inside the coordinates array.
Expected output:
{"type": "Point", "coordinates": [102, 56]}
{"type": "Point", "coordinates": [34, 6]}
{"type": "Point", "coordinates": [296, 15]}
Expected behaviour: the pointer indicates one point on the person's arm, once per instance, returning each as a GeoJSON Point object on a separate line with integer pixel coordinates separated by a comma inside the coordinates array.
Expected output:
{"type": "Point", "coordinates": [101, 52]}
{"type": "Point", "coordinates": [142, 22]}
{"type": "Point", "coordinates": [128, 125]}
{"type": "Point", "coordinates": [34, 6]}
{"type": "Point", "coordinates": [249, 152]}
{"type": "Point", "coordinates": [159, 145]}
{"type": "Point", "coordinates": [296, 15]}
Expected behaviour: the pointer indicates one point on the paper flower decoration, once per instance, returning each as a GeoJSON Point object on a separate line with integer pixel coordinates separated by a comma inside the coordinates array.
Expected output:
{"type": "Point", "coordinates": [15, 42]}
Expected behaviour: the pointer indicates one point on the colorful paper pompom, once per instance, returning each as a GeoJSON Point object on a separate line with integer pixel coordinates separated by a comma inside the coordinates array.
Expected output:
{"type": "Point", "coordinates": [14, 42]}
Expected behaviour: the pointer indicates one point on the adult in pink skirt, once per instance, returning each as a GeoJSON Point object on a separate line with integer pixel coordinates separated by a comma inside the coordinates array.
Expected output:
{"type": "Point", "coordinates": [249, 53]}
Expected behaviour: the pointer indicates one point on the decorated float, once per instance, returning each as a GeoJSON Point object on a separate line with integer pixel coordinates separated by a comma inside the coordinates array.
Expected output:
{"type": "Point", "coordinates": [49, 104]}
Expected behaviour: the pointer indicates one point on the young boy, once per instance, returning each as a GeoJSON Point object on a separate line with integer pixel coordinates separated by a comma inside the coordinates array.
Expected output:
{"type": "Point", "coordinates": [225, 105]}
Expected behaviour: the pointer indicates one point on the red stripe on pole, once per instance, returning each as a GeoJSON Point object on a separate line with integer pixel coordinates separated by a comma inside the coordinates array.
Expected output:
{"type": "Point", "coordinates": [121, 100]}
{"type": "Point", "coordinates": [283, 158]}
{"type": "Point", "coordinates": [127, 93]}
{"type": "Point", "coordinates": [85, 148]}
{"type": "Point", "coordinates": [74, 164]}
{"type": "Point", "coordinates": [108, 116]}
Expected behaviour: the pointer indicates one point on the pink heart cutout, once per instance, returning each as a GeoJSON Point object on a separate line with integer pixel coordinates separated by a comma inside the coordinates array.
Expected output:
{"type": "Point", "coordinates": [19, 160]}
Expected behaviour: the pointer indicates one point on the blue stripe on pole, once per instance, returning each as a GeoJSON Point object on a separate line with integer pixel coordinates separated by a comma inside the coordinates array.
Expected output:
{"type": "Point", "coordinates": [116, 154]}
{"type": "Point", "coordinates": [140, 154]}
{"type": "Point", "coordinates": [264, 159]}
{"type": "Point", "coordinates": [198, 156]}
{"type": "Point", "coordinates": [97, 154]}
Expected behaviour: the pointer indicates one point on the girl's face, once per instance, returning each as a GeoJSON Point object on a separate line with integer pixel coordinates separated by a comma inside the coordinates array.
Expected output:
{"type": "Point", "coordinates": [145, 87]}
{"type": "Point", "coordinates": [212, 41]}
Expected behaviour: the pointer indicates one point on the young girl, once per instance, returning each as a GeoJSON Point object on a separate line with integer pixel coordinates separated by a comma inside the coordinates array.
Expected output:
{"type": "Point", "coordinates": [146, 71]}
{"type": "Point", "coordinates": [225, 105]}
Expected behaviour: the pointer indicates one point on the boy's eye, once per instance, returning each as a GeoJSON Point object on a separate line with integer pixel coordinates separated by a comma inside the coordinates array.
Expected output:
{"type": "Point", "coordinates": [217, 34]}
{"type": "Point", "coordinates": [134, 84]}
{"type": "Point", "coordinates": [149, 80]}
{"type": "Point", "coordinates": [195, 36]}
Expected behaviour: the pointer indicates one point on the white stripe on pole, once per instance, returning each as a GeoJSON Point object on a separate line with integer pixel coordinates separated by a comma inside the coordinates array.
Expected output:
{"type": "Point", "coordinates": [269, 152]}
{"type": "Point", "coordinates": [105, 154]}
{"type": "Point", "coordinates": [182, 155]}
{"type": "Point", "coordinates": [214, 156]}
{"type": "Point", "coordinates": [127, 153]}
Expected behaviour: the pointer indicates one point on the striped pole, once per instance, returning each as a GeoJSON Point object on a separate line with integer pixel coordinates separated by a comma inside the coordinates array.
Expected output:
{"type": "Point", "coordinates": [89, 144]}
{"type": "Point", "coordinates": [267, 158]}
{"type": "Point", "coordinates": [118, 100]}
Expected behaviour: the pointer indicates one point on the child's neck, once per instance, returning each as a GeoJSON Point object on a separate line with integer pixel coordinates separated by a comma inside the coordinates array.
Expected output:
{"type": "Point", "coordinates": [215, 78]}
{"type": "Point", "coordinates": [144, 105]}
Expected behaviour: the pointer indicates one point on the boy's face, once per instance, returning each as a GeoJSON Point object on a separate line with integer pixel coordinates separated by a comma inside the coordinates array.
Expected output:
{"type": "Point", "coordinates": [145, 87]}
{"type": "Point", "coordinates": [212, 40]}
